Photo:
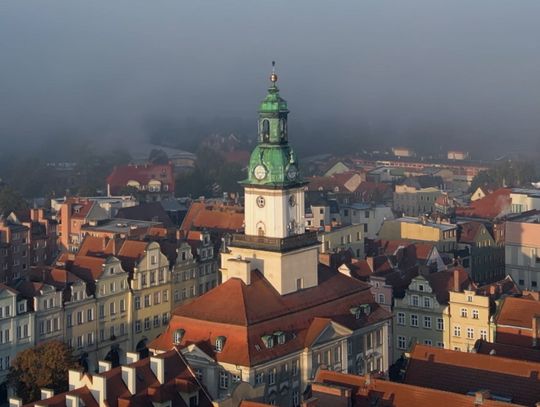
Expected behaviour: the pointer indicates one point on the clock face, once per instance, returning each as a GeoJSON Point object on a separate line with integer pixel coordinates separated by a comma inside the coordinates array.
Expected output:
{"type": "Point", "coordinates": [292, 200]}
{"type": "Point", "coordinates": [292, 172]}
{"type": "Point", "coordinates": [260, 201]}
{"type": "Point", "coordinates": [259, 172]}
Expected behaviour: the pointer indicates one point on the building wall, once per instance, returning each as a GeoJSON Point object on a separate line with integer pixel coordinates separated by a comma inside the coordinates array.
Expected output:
{"type": "Point", "coordinates": [523, 202]}
{"type": "Point", "coordinates": [343, 238]}
{"type": "Point", "coordinates": [282, 270]}
{"type": "Point", "coordinates": [522, 254]}
{"type": "Point", "coordinates": [414, 202]}
{"type": "Point", "coordinates": [17, 330]}
{"type": "Point", "coordinates": [418, 318]}
{"type": "Point", "coordinates": [150, 306]}
{"type": "Point", "coordinates": [445, 240]}
{"type": "Point", "coordinates": [281, 215]}
{"type": "Point", "coordinates": [469, 320]}
{"type": "Point", "coordinates": [372, 217]}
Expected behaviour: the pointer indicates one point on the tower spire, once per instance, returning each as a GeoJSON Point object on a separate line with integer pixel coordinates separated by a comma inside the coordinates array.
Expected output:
{"type": "Point", "coordinates": [273, 76]}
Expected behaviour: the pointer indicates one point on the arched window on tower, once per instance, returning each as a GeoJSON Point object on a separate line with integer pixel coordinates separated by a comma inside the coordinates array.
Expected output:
{"type": "Point", "coordinates": [260, 229]}
{"type": "Point", "coordinates": [265, 130]}
{"type": "Point", "coordinates": [283, 129]}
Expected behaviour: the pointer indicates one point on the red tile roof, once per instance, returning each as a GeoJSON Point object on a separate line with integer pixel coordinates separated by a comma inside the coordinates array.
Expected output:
{"type": "Point", "coordinates": [507, 351]}
{"type": "Point", "coordinates": [442, 282]}
{"type": "Point", "coordinates": [245, 313]}
{"type": "Point", "coordinates": [517, 312]}
{"type": "Point", "coordinates": [225, 218]}
{"type": "Point", "coordinates": [369, 391]}
{"type": "Point", "coordinates": [143, 174]}
{"type": "Point", "coordinates": [491, 206]}
{"type": "Point", "coordinates": [463, 372]}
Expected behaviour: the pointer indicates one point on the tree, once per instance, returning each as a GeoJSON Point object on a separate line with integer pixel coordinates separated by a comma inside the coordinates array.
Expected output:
{"type": "Point", "coordinates": [158, 156]}
{"type": "Point", "coordinates": [44, 366]}
{"type": "Point", "coordinates": [10, 200]}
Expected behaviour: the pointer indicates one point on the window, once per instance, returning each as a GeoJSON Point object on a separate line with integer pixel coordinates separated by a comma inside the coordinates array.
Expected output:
{"type": "Point", "coordinates": [90, 314]}
{"type": "Point", "coordinates": [112, 308]}
{"type": "Point", "coordinates": [381, 298]}
{"type": "Point", "coordinates": [165, 295]}
{"type": "Point", "coordinates": [146, 301]}
{"type": "Point", "coordinates": [420, 287]}
{"type": "Point", "coordinates": [122, 305]}
{"type": "Point", "coordinates": [401, 342]}
{"type": "Point", "coordinates": [470, 333]}
{"type": "Point", "coordinates": [428, 342]}
{"type": "Point", "coordinates": [138, 326]}
{"type": "Point", "coordinates": [146, 324]}
{"type": "Point", "coordinates": [102, 311]}
{"type": "Point", "coordinates": [414, 320]}
{"type": "Point", "coordinates": [427, 302]}
{"type": "Point", "coordinates": [236, 378]}
{"type": "Point", "coordinates": [220, 341]}
{"type": "Point", "coordinates": [414, 300]}
{"type": "Point", "coordinates": [464, 312]}
{"type": "Point", "coordinates": [69, 321]}
{"type": "Point", "coordinates": [401, 318]}
{"type": "Point", "coordinates": [294, 370]}
{"type": "Point", "coordinates": [90, 338]}
{"type": "Point", "coordinates": [296, 398]}
{"type": "Point", "coordinates": [457, 330]}
{"type": "Point", "coordinates": [259, 378]}
{"type": "Point", "coordinates": [223, 380]}
{"type": "Point", "coordinates": [483, 334]}
{"type": "Point", "coordinates": [299, 283]}
{"type": "Point", "coordinates": [475, 314]}
{"type": "Point", "coordinates": [440, 345]}
{"type": "Point", "coordinates": [469, 298]}
{"type": "Point", "coordinates": [157, 297]}
{"type": "Point", "coordinates": [272, 377]}
{"type": "Point", "coordinates": [156, 321]}
{"type": "Point", "coordinates": [427, 322]}
{"type": "Point", "coordinates": [440, 324]}
{"type": "Point", "coordinates": [79, 317]}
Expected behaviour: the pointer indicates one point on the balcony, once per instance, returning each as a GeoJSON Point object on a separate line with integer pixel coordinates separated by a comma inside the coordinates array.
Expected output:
{"type": "Point", "coordinates": [275, 244]}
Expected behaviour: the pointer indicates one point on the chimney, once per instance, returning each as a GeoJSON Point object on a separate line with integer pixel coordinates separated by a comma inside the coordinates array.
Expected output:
{"type": "Point", "coordinates": [157, 365]}
{"type": "Point", "coordinates": [457, 286]}
{"type": "Point", "coordinates": [104, 366]}
{"type": "Point", "coordinates": [46, 394]}
{"type": "Point", "coordinates": [131, 357]}
{"type": "Point", "coordinates": [99, 389]}
{"type": "Point", "coordinates": [535, 326]}
{"type": "Point", "coordinates": [72, 400]}
{"type": "Point", "coordinates": [481, 396]}
{"type": "Point", "coordinates": [370, 262]}
{"type": "Point", "coordinates": [15, 402]}
{"type": "Point", "coordinates": [129, 378]}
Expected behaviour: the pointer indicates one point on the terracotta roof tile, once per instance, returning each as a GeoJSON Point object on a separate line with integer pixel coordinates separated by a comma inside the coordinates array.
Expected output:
{"type": "Point", "coordinates": [245, 313]}
{"type": "Point", "coordinates": [518, 312]}
{"type": "Point", "coordinates": [463, 372]}
{"type": "Point", "coordinates": [202, 215]}
{"type": "Point", "coordinates": [367, 392]}
{"type": "Point", "coordinates": [491, 206]}
{"type": "Point", "coordinates": [120, 176]}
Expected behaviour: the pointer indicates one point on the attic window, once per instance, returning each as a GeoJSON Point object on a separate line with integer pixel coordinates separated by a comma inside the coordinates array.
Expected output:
{"type": "Point", "coordinates": [280, 337]}
{"type": "Point", "coordinates": [268, 341]}
{"type": "Point", "coordinates": [220, 342]}
{"type": "Point", "coordinates": [178, 335]}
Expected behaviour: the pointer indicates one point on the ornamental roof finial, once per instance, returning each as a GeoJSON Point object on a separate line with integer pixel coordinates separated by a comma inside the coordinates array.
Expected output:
{"type": "Point", "coordinates": [273, 76]}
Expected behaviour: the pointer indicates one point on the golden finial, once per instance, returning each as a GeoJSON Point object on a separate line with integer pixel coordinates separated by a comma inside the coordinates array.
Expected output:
{"type": "Point", "coordinates": [273, 76]}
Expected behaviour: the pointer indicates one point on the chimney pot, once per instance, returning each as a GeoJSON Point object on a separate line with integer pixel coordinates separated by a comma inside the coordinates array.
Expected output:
{"type": "Point", "coordinates": [104, 366]}
{"type": "Point", "coordinates": [132, 357]}
{"type": "Point", "coordinates": [46, 394]}
{"type": "Point", "coordinates": [157, 365]}
{"type": "Point", "coordinates": [457, 286]}
{"type": "Point", "coordinates": [15, 402]}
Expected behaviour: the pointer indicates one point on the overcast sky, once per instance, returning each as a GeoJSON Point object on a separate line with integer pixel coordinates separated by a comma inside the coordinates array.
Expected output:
{"type": "Point", "coordinates": [107, 66]}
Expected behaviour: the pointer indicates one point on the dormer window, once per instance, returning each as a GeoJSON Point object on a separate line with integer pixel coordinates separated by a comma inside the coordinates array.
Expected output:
{"type": "Point", "coordinates": [280, 337]}
{"type": "Point", "coordinates": [220, 342]}
{"type": "Point", "coordinates": [268, 341]}
{"type": "Point", "coordinates": [178, 335]}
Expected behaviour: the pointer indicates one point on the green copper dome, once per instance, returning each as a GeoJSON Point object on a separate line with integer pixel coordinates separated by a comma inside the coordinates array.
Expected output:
{"type": "Point", "coordinates": [273, 103]}
{"type": "Point", "coordinates": [273, 162]}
